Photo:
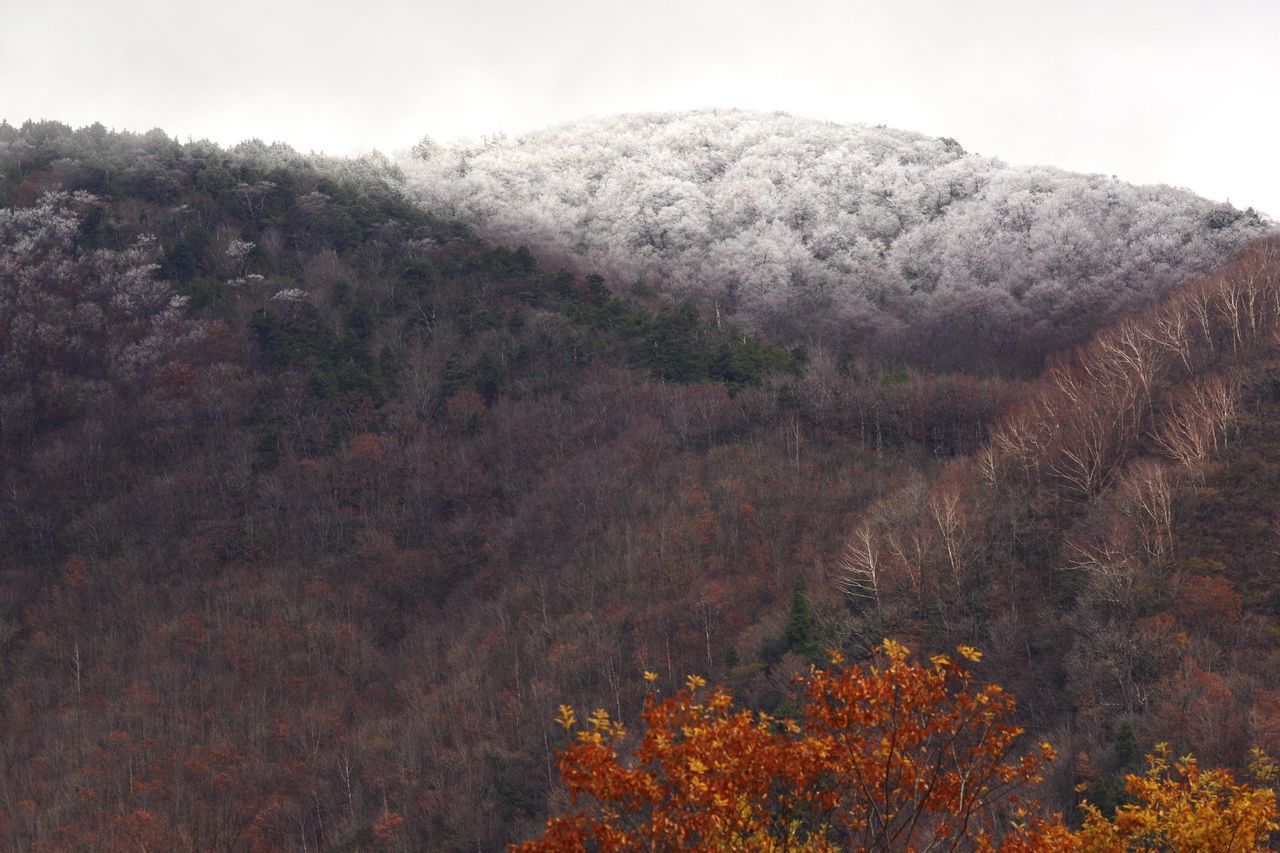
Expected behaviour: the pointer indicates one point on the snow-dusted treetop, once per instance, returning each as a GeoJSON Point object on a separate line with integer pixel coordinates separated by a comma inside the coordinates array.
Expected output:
{"type": "Point", "coordinates": [863, 234]}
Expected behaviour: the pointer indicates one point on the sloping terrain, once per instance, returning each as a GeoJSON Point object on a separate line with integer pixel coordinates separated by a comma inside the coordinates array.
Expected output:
{"type": "Point", "coordinates": [314, 507]}
{"type": "Point", "coordinates": [1114, 544]}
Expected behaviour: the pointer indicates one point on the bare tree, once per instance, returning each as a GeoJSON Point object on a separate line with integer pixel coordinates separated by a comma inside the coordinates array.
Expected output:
{"type": "Point", "coordinates": [1171, 330]}
{"type": "Point", "coordinates": [946, 508]}
{"type": "Point", "coordinates": [1195, 425]}
{"type": "Point", "coordinates": [1109, 562]}
{"type": "Point", "coordinates": [1018, 442]}
{"type": "Point", "coordinates": [1094, 429]}
{"type": "Point", "coordinates": [1145, 494]}
{"type": "Point", "coordinates": [1199, 301]}
{"type": "Point", "coordinates": [1126, 354]}
{"type": "Point", "coordinates": [862, 564]}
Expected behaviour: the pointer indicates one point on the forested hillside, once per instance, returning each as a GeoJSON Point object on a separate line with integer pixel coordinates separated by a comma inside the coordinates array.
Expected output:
{"type": "Point", "coordinates": [867, 237]}
{"type": "Point", "coordinates": [316, 506]}
{"type": "Point", "coordinates": [1113, 543]}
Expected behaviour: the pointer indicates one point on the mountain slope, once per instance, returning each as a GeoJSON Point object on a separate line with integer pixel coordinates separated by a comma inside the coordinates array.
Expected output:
{"type": "Point", "coordinates": [1112, 546]}
{"type": "Point", "coordinates": [316, 506]}
{"type": "Point", "coordinates": [886, 241]}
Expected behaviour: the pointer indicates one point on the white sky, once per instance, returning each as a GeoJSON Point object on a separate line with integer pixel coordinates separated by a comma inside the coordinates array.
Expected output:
{"type": "Point", "coordinates": [1185, 92]}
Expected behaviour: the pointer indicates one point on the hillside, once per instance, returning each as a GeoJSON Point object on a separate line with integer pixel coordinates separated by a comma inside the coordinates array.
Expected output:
{"type": "Point", "coordinates": [882, 241]}
{"type": "Point", "coordinates": [316, 506]}
{"type": "Point", "coordinates": [1113, 544]}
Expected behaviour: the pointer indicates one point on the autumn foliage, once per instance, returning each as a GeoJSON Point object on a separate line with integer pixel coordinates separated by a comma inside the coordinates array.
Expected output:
{"type": "Point", "coordinates": [891, 755]}
{"type": "Point", "coordinates": [1180, 806]}
{"type": "Point", "coordinates": [895, 755]}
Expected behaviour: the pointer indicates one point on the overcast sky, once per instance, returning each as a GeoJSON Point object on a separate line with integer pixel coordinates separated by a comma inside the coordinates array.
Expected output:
{"type": "Point", "coordinates": [1173, 91]}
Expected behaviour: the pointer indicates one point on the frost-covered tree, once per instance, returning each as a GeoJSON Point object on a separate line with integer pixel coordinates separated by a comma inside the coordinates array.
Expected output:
{"type": "Point", "coordinates": [870, 237]}
{"type": "Point", "coordinates": [77, 326]}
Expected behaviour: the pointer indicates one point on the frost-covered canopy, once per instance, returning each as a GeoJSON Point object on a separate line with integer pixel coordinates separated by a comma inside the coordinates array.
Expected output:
{"type": "Point", "coordinates": [872, 236]}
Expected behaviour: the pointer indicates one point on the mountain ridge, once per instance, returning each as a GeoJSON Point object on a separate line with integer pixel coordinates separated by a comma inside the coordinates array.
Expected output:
{"type": "Point", "coordinates": [851, 235]}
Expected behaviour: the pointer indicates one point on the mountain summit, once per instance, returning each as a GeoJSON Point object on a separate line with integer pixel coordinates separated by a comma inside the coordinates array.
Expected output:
{"type": "Point", "coordinates": [887, 240]}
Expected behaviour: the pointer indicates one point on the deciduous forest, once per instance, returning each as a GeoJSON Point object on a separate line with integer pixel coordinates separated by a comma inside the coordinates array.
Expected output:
{"type": "Point", "coordinates": [326, 483]}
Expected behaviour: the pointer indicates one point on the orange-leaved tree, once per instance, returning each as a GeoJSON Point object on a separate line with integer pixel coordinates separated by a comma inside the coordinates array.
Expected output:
{"type": "Point", "coordinates": [893, 755]}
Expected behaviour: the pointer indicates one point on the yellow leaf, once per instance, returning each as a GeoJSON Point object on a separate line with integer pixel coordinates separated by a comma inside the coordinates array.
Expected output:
{"type": "Point", "coordinates": [894, 651]}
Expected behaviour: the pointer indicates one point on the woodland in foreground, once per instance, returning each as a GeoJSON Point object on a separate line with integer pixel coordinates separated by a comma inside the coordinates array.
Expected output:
{"type": "Point", "coordinates": [893, 755]}
{"type": "Point", "coordinates": [316, 507]}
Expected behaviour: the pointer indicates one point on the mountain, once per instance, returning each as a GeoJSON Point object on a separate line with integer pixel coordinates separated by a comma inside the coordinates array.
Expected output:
{"type": "Point", "coordinates": [883, 241]}
{"type": "Point", "coordinates": [316, 506]}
